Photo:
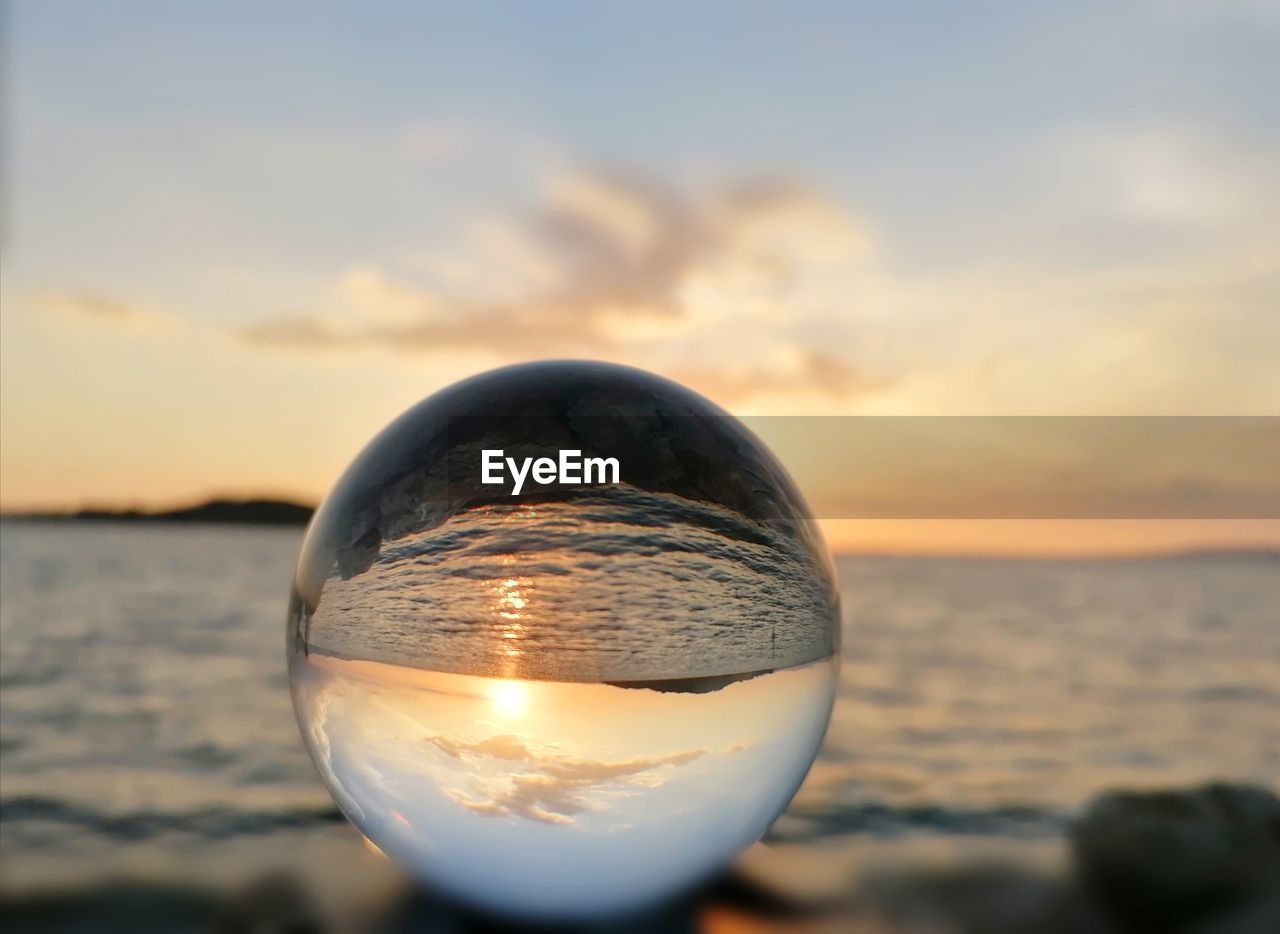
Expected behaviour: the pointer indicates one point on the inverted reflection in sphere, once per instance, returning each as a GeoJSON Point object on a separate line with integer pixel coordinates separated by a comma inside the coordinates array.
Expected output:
{"type": "Point", "coordinates": [581, 698]}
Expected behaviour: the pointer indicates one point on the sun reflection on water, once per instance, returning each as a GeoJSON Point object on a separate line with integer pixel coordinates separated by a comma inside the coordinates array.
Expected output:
{"type": "Point", "coordinates": [511, 613]}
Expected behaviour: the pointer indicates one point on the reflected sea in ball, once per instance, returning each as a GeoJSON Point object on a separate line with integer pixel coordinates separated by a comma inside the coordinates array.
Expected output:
{"type": "Point", "coordinates": [575, 701]}
{"type": "Point", "coordinates": [558, 591]}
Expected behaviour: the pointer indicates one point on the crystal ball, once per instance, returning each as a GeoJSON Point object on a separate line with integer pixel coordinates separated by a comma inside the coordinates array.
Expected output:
{"type": "Point", "coordinates": [563, 639]}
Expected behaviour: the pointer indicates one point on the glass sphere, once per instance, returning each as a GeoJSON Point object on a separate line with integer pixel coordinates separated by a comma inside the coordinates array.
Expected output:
{"type": "Point", "coordinates": [581, 697]}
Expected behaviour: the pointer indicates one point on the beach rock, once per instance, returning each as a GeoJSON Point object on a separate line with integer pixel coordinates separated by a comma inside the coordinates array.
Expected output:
{"type": "Point", "coordinates": [1204, 859]}
{"type": "Point", "coordinates": [982, 899]}
{"type": "Point", "coordinates": [111, 907]}
{"type": "Point", "coordinates": [275, 904]}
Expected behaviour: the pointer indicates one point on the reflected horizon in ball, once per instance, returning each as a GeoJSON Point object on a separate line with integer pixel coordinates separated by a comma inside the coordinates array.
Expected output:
{"type": "Point", "coordinates": [577, 700]}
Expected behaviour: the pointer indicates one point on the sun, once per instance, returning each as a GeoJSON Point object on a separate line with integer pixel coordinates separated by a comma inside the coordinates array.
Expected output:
{"type": "Point", "coordinates": [509, 698]}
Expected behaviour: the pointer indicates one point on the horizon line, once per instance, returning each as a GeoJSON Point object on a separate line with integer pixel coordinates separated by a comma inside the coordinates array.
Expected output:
{"type": "Point", "coordinates": [269, 511]}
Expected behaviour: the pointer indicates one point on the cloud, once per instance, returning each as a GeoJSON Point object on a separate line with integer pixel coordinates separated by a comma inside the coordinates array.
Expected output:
{"type": "Point", "coordinates": [105, 310]}
{"type": "Point", "coordinates": [621, 265]}
{"type": "Point", "coordinates": [436, 143]}
{"type": "Point", "coordinates": [551, 789]}
{"type": "Point", "coordinates": [298, 332]}
{"type": "Point", "coordinates": [810, 370]}
{"type": "Point", "coordinates": [1180, 178]}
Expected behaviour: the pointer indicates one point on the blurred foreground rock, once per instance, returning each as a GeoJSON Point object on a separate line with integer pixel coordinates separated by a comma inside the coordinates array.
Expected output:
{"type": "Point", "coordinates": [983, 899]}
{"type": "Point", "coordinates": [1195, 861]}
{"type": "Point", "coordinates": [1204, 860]}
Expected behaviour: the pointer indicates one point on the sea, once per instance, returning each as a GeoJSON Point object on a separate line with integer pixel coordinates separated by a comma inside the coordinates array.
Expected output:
{"type": "Point", "coordinates": [146, 728]}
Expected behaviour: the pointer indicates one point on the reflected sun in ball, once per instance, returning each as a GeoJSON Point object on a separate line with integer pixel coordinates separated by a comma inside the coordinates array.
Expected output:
{"type": "Point", "coordinates": [509, 699]}
{"type": "Point", "coordinates": [511, 616]}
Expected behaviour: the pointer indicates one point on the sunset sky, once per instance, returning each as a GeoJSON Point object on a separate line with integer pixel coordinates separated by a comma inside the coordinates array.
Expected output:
{"type": "Point", "coordinates": [239, 240]}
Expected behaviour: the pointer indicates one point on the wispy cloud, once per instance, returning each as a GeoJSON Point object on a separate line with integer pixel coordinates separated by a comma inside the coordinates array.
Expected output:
{"type": "Point", "coordinates": [436, 143]}
{"type": "Point", "coordinates": [768, 295]}
{"type": "Point", "coordinates": [100, 308]}
{"type": "Point", "coordinates": [619, 264]}
{"type": "Point", "coordinates": [551, 788]}
{"type": "Point", "coordinates": [1163, 175]}
{"type": "Point", "coordinates": [791, 369]}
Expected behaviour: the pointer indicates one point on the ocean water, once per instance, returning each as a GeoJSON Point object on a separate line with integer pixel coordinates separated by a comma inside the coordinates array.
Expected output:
{"type": "Point", "coordinates": [146, 725]}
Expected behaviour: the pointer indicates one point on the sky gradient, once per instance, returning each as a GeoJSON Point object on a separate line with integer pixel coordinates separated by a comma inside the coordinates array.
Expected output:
{"type": "Point", "coordinates": [239, 241]}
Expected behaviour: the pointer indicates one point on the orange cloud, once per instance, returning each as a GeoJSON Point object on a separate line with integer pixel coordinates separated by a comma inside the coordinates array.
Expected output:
{"type": "Point", "coordinates": [620, 265]}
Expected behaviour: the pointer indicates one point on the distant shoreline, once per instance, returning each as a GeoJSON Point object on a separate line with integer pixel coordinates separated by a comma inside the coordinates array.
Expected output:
{"type": "Point", "coordinates": [289, 514]}
{"type": "Point", "coordinates": [218, 511]}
